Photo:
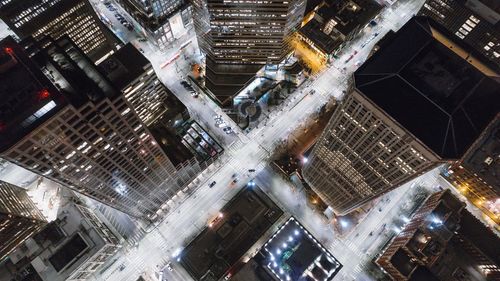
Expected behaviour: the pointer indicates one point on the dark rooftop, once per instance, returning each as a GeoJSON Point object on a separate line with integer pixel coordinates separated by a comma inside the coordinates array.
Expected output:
{"type": "Point", "coordinates": [403, 263]}
{"type": "Point", "coordinates": [219, 246]}
{"type": "Point", "coordinates": [440, 98]}
{"type": "Point", "coordinates": [66, 254]}
{"type": "Point", "coordinates": [349, 14]}
{"type": "Point", "coordinates": [480, 235]}
{"type": "Point", "coordinates": [27, 97]}
{"type": "Point", "coordinates": [313, 30]}
{"type": "Point", "coordinates": [124, 66]}
{"type": "Point", "coordinates": [478, 159]}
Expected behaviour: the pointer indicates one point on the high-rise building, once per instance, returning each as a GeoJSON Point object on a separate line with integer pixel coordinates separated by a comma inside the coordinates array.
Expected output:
{"type": "Point", "coordinates": [419, 101]}
{"type": "Point", "coordinates": [161, 20]}
{"type": "Point", "coordinates": [476, 175]}
{"type": "Point", "coordinates": [131, 73]}
{"type": "Point", "coordinates": [239, 37]}
{"type": "Point", "coordinates": [158, 108]}
{"type": "Point", "coordinates": [442, 241]}
{"type": "Point", "coordinates": [76, 18]}
{"type": "Point", "coordinates": [474, 22]}
{"type": "Point", "coordinates": [19, 218]}
{"type": "Point", "coordinates": [60, 117]}
{"type": "Point", "coordinates": [72, 247]}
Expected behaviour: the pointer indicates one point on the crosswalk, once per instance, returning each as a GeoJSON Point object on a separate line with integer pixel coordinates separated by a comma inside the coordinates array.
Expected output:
{"type": "Point", "coordinates": [235, 146]}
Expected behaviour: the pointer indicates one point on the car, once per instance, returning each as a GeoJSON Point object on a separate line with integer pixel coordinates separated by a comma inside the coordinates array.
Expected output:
{"type": "Point", "coordinates": [251, 170]}
{"type": "Point", "coordinates": [169, 267]}
{"type": "Point", "coordinates": [312, 92]}
{"type": "Point", "coordinates": [234, 175]}
{"type": "Point", "coordinates": [212, 184]}
{"type": "Point", "coordinates": [129, 27]}
{"type": "Point", "coordinates": [221, 125]}
{"type": "Point", "coordinates": [194, 94]}
{"type": "Point", "coordinates": [184, 83]}
{"type": "Point", "coordinates": [187, 86]}
{"type": "Point", "coordinates": [141, 50]}
{"type": "Point", "coordinates": [216, 219]}
{"type": "Point", "coordinates": [142, 39]}
{"type": "Point", "coordinates": [235, 180]}
{"type": "Point", "coordinates": [217, 116]}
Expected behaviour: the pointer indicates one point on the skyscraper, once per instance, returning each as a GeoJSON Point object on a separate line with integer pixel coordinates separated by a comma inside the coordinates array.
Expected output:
{"type": "Point", "coordinates": [474, 22]}
{"type": "Point", "coordinates": [420, 101]}
{"type": "Point", "coordinates": [162, 20]}
{"type": "Point", "coordinates": [63, 119]}
{"type": "Point", "coordinates": [239, 37]}
{"type": "Point", "coordinates": [131, 73]}
{"type": "Point", "coordinates": [19, 218]}
{"type": "Point", "coordinates": [158, 108]}
{"type": "Point", "coordinates": [76, 18]}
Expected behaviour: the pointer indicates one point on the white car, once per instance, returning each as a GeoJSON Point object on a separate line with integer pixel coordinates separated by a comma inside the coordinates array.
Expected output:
{"type": "Point", "coordinates": [221, 125]}
{"type": "Point", "coordinates": [169, 267]}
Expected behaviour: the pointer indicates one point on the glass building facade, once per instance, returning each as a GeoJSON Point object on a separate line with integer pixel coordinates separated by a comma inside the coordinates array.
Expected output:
{"type": "Point", "coordinates": [243, 33]}
{"type": "Point", "coordinates": [19, 218]}
{"type": "Point", "coordinates": [55, 18]}
{"type": "Point", "coordinates": [67, 122]}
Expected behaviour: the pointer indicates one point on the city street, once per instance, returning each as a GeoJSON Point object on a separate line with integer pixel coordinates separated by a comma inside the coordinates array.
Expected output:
{"type": "Point", "coordinates": [246, 155]}
{"type": "Point", "coordinates": [163, 243]}
{"type": "Point", "coordinates": [251, 151]}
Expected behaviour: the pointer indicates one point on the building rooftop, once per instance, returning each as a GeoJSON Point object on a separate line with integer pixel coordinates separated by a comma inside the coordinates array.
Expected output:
{"type": "Point", "coordinates": [443, 241]}
{"type": "Point", "coordinates": [472, 22]}
{"type": "Point", "coordinates": [27, 96]}
{"type": "Point", "coordinates": [423, 82]}
{"type": "Point", "coordinates": [349, 14]}
{"type": "Point", "coordinates": [240, 223]}
{"type": "Point", "coordinates": [483, 158]}
{"type": "Point", "coordinates": [313, 30]}
{"type": "Point", "coordinates": [124, 66]}
{"type": "Point", "coordinates": [293, 254]}
{"type": "Point", "coordinates": [482, 237]}
{"type": "Point", "coordinates": [252, 271]}
{"type": "Point", "coordinates": [64, 246]}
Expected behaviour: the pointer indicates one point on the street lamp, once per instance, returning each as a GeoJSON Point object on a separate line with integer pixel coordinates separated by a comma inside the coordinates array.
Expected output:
{"type": "Point", "coordinates": [343, 223]}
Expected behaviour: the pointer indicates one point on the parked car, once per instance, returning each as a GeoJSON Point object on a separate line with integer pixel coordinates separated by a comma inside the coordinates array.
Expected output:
{"type": "Point", "coordinates": [212, 184]}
